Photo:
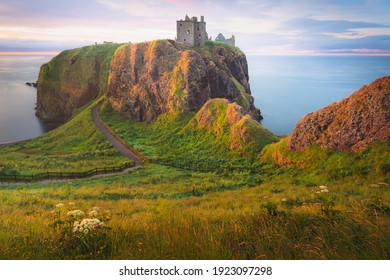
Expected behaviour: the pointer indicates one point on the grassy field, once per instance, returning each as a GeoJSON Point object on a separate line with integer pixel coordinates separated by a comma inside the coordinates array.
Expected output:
{"type": "Point", "coordinates": [160, 212]}
{"type": "Point", "coordinates": [260, 211]}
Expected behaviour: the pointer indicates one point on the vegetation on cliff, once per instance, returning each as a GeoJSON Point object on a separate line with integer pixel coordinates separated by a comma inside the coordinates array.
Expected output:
{"type": "Point", "coordinates": [72, 79]}
{"type": "Point", "coordinates": [152, 78]}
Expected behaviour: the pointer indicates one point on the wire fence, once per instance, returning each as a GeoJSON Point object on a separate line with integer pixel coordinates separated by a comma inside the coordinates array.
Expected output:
{"type": "Point", "coordinates": [64, 175]}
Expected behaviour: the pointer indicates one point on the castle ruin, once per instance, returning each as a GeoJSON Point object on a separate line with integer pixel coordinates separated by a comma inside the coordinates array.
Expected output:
{"type": "Point", "coordinates": [231, 41]}
{"type": "Point", "coordinates": [192, 32]}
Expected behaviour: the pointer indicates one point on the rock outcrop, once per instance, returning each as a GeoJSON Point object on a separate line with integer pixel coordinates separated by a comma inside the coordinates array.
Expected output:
{"type": "Point", "coordinates": [231, 126]}
{"type": "Point", "coordinates": [152, 78]}
{"type": "Point", "coordinates": [70, 80]}
{"type": "Point", "coordinates": [349, 125]}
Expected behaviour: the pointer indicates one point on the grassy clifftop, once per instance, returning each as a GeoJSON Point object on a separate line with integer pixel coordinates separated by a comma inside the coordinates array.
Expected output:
{"type": "Point", "coordinates": [72, 79]}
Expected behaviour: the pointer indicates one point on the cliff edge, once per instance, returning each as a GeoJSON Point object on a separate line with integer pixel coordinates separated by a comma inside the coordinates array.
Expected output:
{"type": "Point", "coordinates": [349, 125]}
{"type": "Point", "coordinates": [144, 80]}
{"type": "Point", "coordinates": [71, 80]}
{"type": "Point", "coordinates": [152, 78]}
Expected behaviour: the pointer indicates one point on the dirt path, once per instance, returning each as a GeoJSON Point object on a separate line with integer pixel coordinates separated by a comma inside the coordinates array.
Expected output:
{"type": "Point", "coordinates": [118, 143]}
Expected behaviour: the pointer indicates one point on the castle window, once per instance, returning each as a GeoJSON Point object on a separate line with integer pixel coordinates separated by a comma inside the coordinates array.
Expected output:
{"type": "Point", "coordinates": [188, 31]}
{"type": "Point", "coordinates": [198, 28]}
{"type": "Point", "coordinates": [200, 35]}
{"type": "Point", "coordinates": [181, 24]}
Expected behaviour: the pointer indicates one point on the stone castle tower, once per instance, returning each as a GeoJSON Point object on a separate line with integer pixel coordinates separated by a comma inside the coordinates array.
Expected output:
{"type": "Point", "coordinates": [192, 32]}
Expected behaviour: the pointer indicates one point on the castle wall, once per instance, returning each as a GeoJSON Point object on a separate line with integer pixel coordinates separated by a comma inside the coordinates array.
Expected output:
{"type": "Point", "coordinates": [185, 32]}
{"type": "Point", "coordinates": [200, 34]}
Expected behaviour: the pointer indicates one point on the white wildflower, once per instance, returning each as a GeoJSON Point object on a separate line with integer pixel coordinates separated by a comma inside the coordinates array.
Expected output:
{"type": "Point", "coordinates": [76, 213]}
{"type": "Point", "coordinates": [72, 203]}
{"type": "Point", "coordinates": [284, 199]}
{"type": "Point", "coordinates": [325, 190]}
{"type": "Point", "coordinates": [95, 208]}
{"type": "Point", "coordinates": [87, 225]}
{"type": "Point", "coordinates": [93, 213]}
{"type": "Point", "coordinates": [59, 205]}
{"type": "Point", "coordinates": [323, 187]}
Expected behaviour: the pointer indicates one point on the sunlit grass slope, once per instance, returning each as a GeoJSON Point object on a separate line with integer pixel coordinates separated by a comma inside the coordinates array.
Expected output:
{"type": "Point", "coordinates": [165, 213]}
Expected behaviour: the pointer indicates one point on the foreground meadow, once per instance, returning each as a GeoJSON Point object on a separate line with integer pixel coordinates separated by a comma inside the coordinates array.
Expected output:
{"type": "Point", "coordinates": [160, 212]}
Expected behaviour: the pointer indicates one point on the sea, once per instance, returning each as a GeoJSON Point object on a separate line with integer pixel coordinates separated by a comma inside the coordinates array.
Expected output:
{"type": "Point", "coordinates": [18, 100]}
{"type": "Point", "coordinates": [285, 88]}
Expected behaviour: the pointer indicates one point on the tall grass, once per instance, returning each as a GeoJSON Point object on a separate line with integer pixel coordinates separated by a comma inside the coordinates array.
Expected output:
{"type": "Point", "coordinates": [165, 213]}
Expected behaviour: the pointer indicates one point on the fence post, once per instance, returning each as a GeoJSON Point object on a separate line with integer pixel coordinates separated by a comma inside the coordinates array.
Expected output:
{"type": "Point", "coordinates": [96, 171]}
{"type": "Point", "coordinates": [105, 172]}
{"type": "Point", "coordinates": [48, 175]}
{"type": "Point", "coordinates": [15, 176]}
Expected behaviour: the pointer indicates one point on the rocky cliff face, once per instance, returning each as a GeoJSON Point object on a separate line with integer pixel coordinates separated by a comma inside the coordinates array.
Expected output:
{"type": "Point", "coordinates": [349, 125]}
{"type": "Point", "coordinates": [149, 79]}
{"type": "Point", "coordinates": [70, 80]}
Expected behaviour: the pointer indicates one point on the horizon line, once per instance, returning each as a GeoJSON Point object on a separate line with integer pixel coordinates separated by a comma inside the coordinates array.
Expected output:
{"type": "Point", "coordinates": [248, 53]}
{"type": "Point", "coordinates": [28, 52]}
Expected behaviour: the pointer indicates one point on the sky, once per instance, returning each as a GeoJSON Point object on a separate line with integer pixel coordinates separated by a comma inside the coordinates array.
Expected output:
{"type": "Point", "coordinates": [274, 27]}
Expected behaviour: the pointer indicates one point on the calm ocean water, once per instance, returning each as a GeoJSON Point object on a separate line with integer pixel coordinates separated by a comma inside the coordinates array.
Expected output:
{"type": "Point", "coordinates": [284, 87]}
{"type": "Point", "coordinates": [17, 100]}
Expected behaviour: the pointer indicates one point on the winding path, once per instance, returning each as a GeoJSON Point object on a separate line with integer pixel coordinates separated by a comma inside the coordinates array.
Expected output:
{"type": "Point", "coordinates": [118, 143]}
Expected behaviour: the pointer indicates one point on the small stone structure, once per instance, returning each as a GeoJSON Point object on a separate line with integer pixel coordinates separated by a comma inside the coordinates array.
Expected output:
{"type": "Point", "coordinates": [231, 41]}
{"type": "Point", "coordinates": [192, 32]}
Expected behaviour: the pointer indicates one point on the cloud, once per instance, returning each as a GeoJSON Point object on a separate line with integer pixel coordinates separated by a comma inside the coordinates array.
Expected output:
{"type": "Point", "coordinates": [309, 25]}
{"type": "Point", "coordinates": [277, 26]}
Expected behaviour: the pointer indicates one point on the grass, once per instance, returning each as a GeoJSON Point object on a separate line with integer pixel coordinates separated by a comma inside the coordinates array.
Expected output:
{"type": "Point", "coordinates": [179, 140]}
{"type": "Point", "coordinates": [216, 217]}
{"type": "Point", "coordinates": [76, 146]}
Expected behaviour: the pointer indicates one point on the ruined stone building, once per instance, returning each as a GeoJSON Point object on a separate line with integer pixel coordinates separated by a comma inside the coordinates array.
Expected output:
{"type": "Point", "coordinates": [231, 41]}
{"type": "Point", "coordinates": [192, 32]}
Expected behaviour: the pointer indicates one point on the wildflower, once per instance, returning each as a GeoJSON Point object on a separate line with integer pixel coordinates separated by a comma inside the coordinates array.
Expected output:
{"type": "Point", "coordinates": [93, 213]}
{"type": "Point", "coordinates": [284, 199]}
{"type": "Point", "coordinates": [71, 203]}
{"type": "Point", "coordinates": [87, 225]}
{"type": "Point", "coordinates": [75, 213]}
{"type": "Point", "coordinates": [59, 205]}
{"type": "Point", "coordinates": [323, 189]}
{"type": "Point", "coordinates": [75, 226]}
{"type": "Point", "coordinates": [95, 208]}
